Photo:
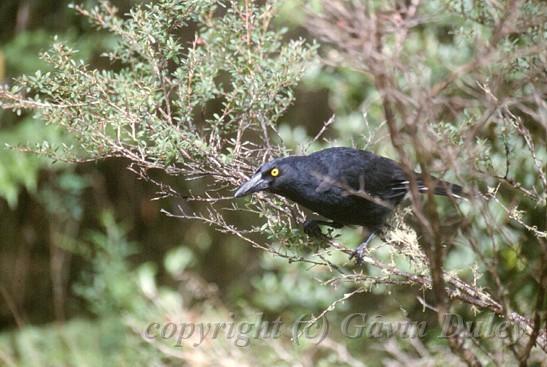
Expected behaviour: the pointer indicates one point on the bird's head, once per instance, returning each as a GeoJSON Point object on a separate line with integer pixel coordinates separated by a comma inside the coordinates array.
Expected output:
{"type": "Point", "coordinates": [271, 176]}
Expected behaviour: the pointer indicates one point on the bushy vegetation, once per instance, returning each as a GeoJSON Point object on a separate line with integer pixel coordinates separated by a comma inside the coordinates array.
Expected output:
{"type": "Point", "coordinates": [192, 96]}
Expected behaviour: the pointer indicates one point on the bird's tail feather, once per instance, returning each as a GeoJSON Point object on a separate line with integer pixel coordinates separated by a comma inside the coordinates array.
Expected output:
{"type": "Point", "coordinates": [444, 188]}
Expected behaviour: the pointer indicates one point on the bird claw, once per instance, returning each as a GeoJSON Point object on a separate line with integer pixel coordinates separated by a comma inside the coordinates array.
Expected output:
{"type": "Point", "coordinates": [312, 229]}
{"type": "Point", "coordinates": [358, 254]}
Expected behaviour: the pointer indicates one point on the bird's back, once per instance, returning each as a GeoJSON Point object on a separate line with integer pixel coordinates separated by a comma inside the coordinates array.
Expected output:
{"type": "Point", "coordinates": [361, 169]}
{"type": "Point", "coordinates": [349, 186]}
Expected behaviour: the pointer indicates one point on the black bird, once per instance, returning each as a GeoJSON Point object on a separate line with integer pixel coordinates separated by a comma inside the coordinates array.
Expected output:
{"type": "Point", "coordinates": [346, 185]}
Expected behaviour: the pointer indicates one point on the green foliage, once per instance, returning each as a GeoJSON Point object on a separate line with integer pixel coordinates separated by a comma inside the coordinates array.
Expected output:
{"type": "Point", "coordinates": [149, 108]}
{"type": "Point", "coordinates": [78, 343]}
{"type": "Point", "coordinates": [113, 291]}
{"type": "Point", "coordinates": [203, 90]}
{"type": "Point", "coordinates": [105, 290]}
{"type": "Point", "coordinates": [22, 52]}
{"type": "Point", "coordinates": [18, 169]}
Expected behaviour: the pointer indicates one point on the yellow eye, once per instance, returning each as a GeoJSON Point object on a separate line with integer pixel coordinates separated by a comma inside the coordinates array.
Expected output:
{"type": "Point", "coordinates": [274, 172]}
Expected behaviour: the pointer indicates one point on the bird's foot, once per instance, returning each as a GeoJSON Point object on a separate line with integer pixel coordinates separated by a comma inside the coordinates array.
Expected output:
{"type": "Point", "coordinates": [359, 253]}
{"type": "Point", "coordinates": [312, 229]}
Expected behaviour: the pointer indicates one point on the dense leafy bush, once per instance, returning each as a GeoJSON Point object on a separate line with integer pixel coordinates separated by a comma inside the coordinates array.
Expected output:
{"type": "Point", "coordinates": [205, 91]}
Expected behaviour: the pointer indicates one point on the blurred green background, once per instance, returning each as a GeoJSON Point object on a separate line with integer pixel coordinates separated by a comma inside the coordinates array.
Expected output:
{"type": "Point", "coordinates": [87, 259]}
{"type": "Point", "coordinates": [79, 242]}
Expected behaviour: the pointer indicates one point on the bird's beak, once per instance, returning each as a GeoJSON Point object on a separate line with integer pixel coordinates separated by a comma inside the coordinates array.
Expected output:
{"type": "Point", "coordinates": [256, 183]}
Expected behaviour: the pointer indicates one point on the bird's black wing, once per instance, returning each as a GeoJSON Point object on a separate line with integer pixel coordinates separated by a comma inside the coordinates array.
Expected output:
{"type": "Point", "coordinates": [359, 170]}
{"type": "Point", "coordinates": [351, 169]}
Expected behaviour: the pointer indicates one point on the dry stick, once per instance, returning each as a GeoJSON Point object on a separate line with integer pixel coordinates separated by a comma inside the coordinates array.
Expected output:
{"type": "Point", "coordinates": [19, 321]}
{"type": "Point", "coordinates": [434, 249]}
{"type": "Point", "coordinates": [459, 290]}
{"type": "Point", "coordinates": [324, 128]}
{"type": "Point", "coordinates": [523, 358]}
{"type": "Point", "coordinates": [491, 267]}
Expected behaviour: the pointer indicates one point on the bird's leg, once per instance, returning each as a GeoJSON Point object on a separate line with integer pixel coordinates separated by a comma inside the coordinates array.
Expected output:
{"type": "Point", "coordinates": [359, 251]}
{"type": "Point", "coordinates": [312, 229]}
